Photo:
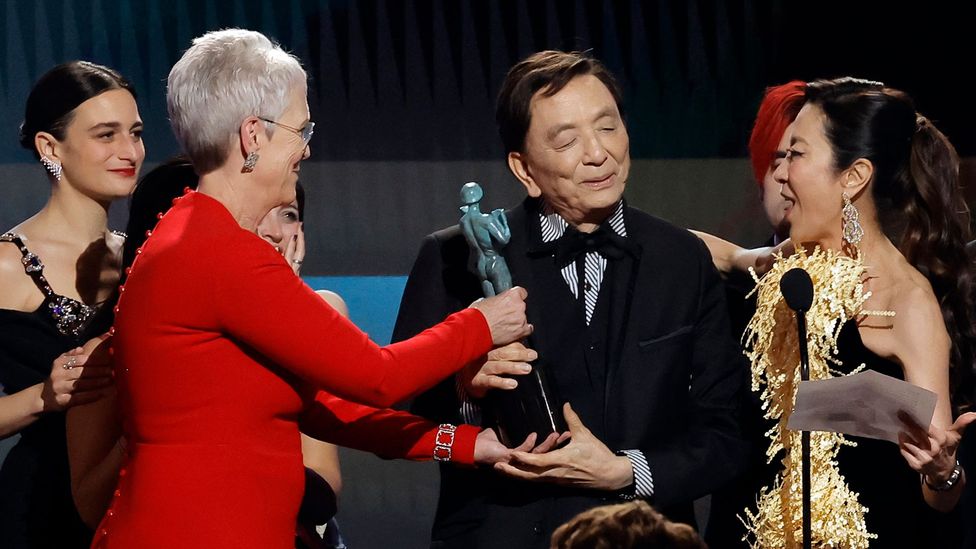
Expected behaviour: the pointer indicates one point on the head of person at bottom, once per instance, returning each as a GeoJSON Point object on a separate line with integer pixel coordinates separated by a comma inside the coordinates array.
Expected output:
{"type": "Point", "coordinates": [561, 122]}
{"type": "Point", "coordinates": [237, 103]}
{"type": "Point", "coordinates": [631, 525]}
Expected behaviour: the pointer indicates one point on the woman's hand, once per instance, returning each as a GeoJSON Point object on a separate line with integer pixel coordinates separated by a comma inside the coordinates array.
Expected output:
{"type": "Point", "coordinates": [505, 314]}
{"type": "Point", "coordinates": [513, 359]}
{"type": "Point", "coordinates": [488, 450]}
{"type": "Point", "coordinates": [77, 377]}
{"type": "Point", "coordinates": [295, 250]}
{"type": "Point", "coordinates": [932, 452]}
{"type": "Point", "coordinates": [732, 260]}
{"type": "Point", "coordinates": [762, 259]}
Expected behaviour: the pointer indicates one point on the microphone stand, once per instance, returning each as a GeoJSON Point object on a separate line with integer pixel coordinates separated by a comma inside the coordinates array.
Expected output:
{"type": "Point", "coordinates": [797, 289]}
{"type": "Point", "coordinates": [801, 324]}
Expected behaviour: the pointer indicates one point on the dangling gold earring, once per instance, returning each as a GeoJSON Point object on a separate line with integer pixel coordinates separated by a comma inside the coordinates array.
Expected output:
{"type": "Point", "coordinates": [853, 232]}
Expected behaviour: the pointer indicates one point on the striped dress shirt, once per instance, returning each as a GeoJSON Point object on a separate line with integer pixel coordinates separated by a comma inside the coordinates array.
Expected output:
{"type": "Point", "coordinates": [554, 226]}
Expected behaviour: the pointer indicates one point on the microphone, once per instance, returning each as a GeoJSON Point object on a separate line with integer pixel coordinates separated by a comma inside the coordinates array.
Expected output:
{"type": "Point", "coordinates": [797, 290]}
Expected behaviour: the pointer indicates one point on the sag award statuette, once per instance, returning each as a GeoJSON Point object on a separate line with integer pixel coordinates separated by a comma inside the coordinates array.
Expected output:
{"type": "Point", "coordinates": [533, 406]}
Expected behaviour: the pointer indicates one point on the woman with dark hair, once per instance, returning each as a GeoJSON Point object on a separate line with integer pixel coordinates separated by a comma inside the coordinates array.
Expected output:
{"type": "Point", "coordinates": [56, 269]}
{"type": "Point", "coordinates": [877, 215]}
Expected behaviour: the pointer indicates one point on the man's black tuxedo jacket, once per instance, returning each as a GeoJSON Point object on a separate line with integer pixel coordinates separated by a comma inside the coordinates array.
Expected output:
{"type": "Point", "coordinates": [669, 386]}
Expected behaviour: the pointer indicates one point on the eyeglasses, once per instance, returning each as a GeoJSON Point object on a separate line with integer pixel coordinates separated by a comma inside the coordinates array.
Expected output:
{"type": "Point", "coordinates": [305, 132]}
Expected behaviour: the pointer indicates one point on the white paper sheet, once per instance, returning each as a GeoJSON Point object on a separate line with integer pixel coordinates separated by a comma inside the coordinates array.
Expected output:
{"type": "Point", "coordinates": [864, 404]}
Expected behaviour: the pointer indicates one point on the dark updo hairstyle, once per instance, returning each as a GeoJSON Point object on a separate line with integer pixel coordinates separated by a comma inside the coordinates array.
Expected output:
{"type": "Point", "coordinates": [54, 98]}
{"type": "Point", "coordinates": [917, 194]}
{"type": "Point", "coordinates": [153, 195]}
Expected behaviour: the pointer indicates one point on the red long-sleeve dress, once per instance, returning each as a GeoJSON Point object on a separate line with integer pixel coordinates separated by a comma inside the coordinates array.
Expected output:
{"type": "Point", "coordinates": [218, 347]}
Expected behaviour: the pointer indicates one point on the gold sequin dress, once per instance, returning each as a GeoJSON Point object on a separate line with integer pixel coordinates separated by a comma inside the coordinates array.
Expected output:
{"type": "Point", "coordinates": [864, 494]}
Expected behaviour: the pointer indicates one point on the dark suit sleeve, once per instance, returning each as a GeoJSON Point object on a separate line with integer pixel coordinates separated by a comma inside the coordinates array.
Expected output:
{"type": "Point", "coordinates": [437, 286]}
{"type": "Point", "coordinates": [711, 450]}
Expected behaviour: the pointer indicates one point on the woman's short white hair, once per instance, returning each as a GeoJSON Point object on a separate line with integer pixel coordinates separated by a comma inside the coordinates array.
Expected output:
{"type": "Point", "coordinates": [224, 77]}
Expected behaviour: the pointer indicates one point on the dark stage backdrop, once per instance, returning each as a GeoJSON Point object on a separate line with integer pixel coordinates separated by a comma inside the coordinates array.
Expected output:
{"type": "Point", "coordinates": [403, 93]}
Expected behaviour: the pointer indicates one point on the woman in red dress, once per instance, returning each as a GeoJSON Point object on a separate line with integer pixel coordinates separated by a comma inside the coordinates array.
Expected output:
{"type": "Point", "coordinates": [212, 394]}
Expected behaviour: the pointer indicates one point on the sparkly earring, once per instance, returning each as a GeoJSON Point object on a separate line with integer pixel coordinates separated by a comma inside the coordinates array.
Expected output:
{"type": "Point", "coordinates": [52, 166]}
{"type": "Point", "coordinates": [853, 232]}
{"type": "Point", "coordinates": [250, 162]}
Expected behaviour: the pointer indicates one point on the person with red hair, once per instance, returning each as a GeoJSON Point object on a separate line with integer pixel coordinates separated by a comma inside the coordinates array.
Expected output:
{"type": "Point", "coordinates": [767, 149]}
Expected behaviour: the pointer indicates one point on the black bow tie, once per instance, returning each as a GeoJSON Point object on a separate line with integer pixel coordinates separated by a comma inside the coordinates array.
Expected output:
{"type": "Point", "coordinates": [573, 243]}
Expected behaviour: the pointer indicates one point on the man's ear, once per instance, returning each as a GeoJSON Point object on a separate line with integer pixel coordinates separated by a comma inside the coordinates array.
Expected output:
{"type": "Point", "coordinates": [520, 168]}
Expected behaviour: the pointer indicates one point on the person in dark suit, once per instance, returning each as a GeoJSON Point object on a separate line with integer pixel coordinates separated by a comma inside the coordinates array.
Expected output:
{"type": "Point", "coordinates": [629, 315]}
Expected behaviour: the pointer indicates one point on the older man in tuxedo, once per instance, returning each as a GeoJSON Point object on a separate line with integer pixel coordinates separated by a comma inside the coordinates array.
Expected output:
{"type": "Point", "coordinates": [629, 315]}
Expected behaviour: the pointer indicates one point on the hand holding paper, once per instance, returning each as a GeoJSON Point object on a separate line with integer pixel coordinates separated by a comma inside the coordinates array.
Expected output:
{"type": "Point", "coordinates": [932, 451]}
{"type": "Point", "coordinates": [866, 404]}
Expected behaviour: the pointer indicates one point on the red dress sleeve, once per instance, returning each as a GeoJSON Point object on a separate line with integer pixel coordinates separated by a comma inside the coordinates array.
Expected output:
{"type": "Point", "coordinates": [262, 304]}
{"type": "Point", "coordinates": [390, 434]}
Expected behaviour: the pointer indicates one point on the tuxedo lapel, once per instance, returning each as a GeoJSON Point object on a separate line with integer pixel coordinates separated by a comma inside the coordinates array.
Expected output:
{"type": "Point", "coordinates": [638, 304]}
{"type": "Point", "coordinates": [622, 286]}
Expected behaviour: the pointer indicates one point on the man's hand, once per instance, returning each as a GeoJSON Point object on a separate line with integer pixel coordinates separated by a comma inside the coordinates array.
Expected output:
{"type": "Point", "coordinates": [585, 462]}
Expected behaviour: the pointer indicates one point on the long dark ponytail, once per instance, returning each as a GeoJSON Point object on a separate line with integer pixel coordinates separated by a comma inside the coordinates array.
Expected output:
{"type": "Point", "coordinates": [918, 197]}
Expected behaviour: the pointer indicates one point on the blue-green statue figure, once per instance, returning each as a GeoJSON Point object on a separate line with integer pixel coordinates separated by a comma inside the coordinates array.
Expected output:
{"type": "Point", "coordinates": [486, 235]}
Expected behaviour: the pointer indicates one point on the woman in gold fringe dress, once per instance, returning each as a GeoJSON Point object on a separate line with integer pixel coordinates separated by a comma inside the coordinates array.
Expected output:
{"type": "Point", "coordinates": [880, 224]}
